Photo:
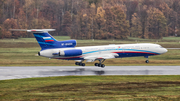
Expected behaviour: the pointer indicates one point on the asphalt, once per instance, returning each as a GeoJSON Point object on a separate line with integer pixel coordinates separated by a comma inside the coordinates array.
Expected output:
{"type": "Point", "coordinates": [49, 71]}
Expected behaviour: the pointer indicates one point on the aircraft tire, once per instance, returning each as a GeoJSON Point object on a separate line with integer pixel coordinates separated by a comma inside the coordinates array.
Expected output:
{"type": "Point", "coordinates": [80, 64]}
{"type": "Point", "coordinates": [99, 65]}
{"type": "Point", "coordinates": [102, 65]}
{"type": "Point", "coordinates": [147, 61]}
{"type": "Point", "coordinates": [83, 64]}
{"type": "Point", "coordinates": [77, 63]}
{"type": "Point", "coordinates": [96, 64]}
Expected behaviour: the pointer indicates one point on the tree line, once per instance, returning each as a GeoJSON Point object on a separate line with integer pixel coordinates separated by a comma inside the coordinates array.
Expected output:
{"type": "Point", "coordinates": [92, 19]}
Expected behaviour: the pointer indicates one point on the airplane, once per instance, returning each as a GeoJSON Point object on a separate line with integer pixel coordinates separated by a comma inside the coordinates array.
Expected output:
{"type": "Point", "coordinates": [66, 50]}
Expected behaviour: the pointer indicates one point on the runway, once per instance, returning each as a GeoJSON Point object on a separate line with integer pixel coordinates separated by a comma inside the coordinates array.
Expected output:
{"type": "Point", "coordinates": [49, 71]}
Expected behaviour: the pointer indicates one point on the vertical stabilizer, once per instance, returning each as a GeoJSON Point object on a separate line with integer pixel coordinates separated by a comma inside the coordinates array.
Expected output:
{"type": "Point", "coordinates": [46, 41]}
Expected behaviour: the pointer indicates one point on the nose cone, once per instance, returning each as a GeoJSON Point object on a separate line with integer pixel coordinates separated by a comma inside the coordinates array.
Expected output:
{"type": "Point", "coordinates": [164, 50]}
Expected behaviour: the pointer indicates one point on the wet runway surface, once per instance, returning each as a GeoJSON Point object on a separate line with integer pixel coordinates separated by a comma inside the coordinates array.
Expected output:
{"type": "Point", "coordinates": [48, 71]}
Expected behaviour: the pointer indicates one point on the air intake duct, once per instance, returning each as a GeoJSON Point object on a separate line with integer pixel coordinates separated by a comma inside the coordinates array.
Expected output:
{"type": "Point", "coordinates": [39, 54]}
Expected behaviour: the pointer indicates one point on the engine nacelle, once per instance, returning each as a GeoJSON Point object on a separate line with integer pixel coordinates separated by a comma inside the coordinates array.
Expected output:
{"type": "Point", "coordinates": [71, 52]}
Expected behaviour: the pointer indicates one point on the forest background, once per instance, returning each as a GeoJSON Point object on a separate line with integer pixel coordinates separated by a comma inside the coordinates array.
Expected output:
{"type": "Point", "coordinates": [92, 19]}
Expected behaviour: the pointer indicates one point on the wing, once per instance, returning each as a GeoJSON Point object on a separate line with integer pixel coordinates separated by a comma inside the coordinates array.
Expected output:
{"type": "Point", "coordinates": [92, 58]}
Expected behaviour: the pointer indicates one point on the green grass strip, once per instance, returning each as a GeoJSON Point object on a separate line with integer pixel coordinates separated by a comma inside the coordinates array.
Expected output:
{"type": "Point", "coordinates": [89, 88]}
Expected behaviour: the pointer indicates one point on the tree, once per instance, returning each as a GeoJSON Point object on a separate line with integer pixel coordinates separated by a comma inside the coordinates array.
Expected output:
{"type": "Point", "coordinates": [100, 22]}
{"type": "Point", "coordinates": [109, 24]}
{"type": "Point", "coordinates": [121, 30]}
{"type": "Point", "coordinates": [136, 28]}
{"type": "Point", "coordinates": [1, 10]}
{"type": "Point", "coordinates": [76, 27]}
{"type": "Point", "coordinates": [66, 26]}
{"type": "Point", "coordinates": [21, 22]}
{"type": "Point", "coordinates": [157, 24]}
{"type": "Point", "coordinates": [10, 24]}
{"type": "Point", "coordinates": [132, 7]}
{"type": "Point", "coordinates": [94, 19]}
{"type": "Point", "coordinates": [93, 1]}
{"type": "Point", "coordinates": [92, 14]}
{"type": "Point", "coordinates": [40, 24]}
{"type": "Point", "coordinates": [85, 27]}
{"type": "Point", "coordinates": [1, 33]}
{"type": "Point", "coordinates": [171, 17]}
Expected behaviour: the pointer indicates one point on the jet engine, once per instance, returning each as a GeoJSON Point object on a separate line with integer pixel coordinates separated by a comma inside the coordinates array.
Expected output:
{"type": "Point", "coordinates": [71, 52]}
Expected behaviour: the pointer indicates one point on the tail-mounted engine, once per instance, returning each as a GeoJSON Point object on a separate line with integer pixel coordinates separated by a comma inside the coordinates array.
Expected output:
{"type": "Point", "coordinates": [72, 52]}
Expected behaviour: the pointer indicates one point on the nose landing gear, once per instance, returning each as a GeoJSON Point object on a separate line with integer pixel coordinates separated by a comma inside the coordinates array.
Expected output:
{"type": "Point", "coordinates": [147, 61]}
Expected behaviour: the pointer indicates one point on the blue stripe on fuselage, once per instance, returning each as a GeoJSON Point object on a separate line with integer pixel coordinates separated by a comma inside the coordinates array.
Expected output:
{"type": "Point", "coordinates": [121, 49]}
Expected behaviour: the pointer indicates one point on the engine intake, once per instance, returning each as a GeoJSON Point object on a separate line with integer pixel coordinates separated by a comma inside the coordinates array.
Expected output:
{"type": "Point", "coordinates": [39, 54]}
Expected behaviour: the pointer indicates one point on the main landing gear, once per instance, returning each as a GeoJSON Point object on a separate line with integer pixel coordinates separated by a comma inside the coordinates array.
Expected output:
{"type": "Point", "coordinates": [80, 63]}
{"type": "Point", "coordinates": [96, 64]}
{"type": "Point", "coordinates": [100, 63]}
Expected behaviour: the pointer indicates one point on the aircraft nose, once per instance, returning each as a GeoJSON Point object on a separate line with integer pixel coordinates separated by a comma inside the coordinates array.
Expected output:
{"type": "Point", "coordinates": [164, 50]}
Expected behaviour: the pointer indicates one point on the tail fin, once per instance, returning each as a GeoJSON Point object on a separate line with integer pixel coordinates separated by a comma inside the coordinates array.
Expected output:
{"type": "Point", "coordinates": [46, 41]}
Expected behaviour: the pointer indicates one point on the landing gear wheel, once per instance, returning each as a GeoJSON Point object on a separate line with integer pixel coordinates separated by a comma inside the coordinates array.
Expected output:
{"type": "Point", "coordinates": [77, 63]}
{"type": "Point", "coordinates": [99, 65]}
{"type": "Point", "coordinates": [83, 64]}
{"type": "Point", "coordinates": [102, 65]}
{"type": "Point", "coordinates": [80, 64]}
{"type": "Point", "coordinates": [96, 64]}
{"type": "Point", "coordinates": [147, 61]}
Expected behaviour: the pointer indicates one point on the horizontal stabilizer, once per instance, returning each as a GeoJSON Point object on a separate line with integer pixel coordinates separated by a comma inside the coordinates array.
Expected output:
{"type": "Point", "coordinates": [33, 30]}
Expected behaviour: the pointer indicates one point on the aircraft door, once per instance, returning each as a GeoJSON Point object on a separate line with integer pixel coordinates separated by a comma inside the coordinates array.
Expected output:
{"type": "Point", "coordinates": [121, 51]}
{"type": "Point", "coordinates": [99, 50]}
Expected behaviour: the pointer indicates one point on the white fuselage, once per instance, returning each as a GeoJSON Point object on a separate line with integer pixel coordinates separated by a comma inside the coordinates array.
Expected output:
{"type": "Point", "coordinates": [121, 50]}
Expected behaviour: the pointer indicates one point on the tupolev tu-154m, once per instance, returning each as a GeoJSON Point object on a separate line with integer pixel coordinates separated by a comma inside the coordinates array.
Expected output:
{"type": "Point", "coordinates": [66, 50]}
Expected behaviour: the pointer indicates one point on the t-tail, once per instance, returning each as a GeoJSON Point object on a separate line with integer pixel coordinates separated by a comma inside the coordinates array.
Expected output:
{"type": "Point", "coordinates": [46, 41]}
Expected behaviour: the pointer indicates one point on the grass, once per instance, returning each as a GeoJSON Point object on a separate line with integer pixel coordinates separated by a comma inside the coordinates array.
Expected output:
{"type": "Point", "coordinates": [98, 88]}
